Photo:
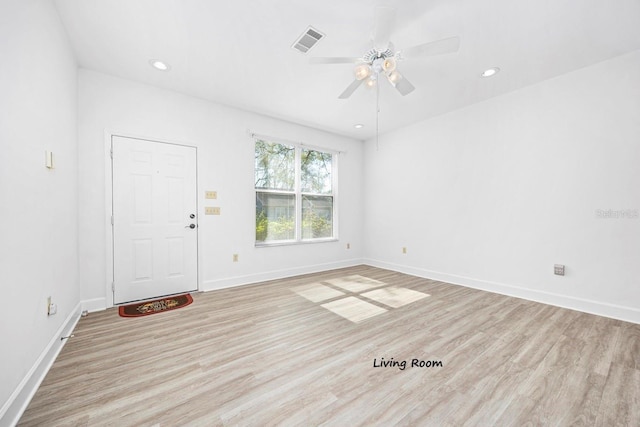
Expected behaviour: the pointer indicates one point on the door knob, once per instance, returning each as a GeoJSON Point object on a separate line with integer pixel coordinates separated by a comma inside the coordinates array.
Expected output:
{"type": "Point", "coordinates": [192, 226]}
{"type": "Point", "coordinates": [192, 216]}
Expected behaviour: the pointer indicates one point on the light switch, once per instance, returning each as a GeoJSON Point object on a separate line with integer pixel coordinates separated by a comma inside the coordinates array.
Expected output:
{"type": "Point", "coordinates": [212, 210]}
{"type": "Point", "coordinates": [210, 194]}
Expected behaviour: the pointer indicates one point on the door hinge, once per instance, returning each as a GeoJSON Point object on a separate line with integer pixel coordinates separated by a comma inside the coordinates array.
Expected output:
{"type": "Point", "coordinates": [113, 287]}
{"type": "Point", "coordinates": [111, 219]}
{"type": "Point", "coordinates": [111, 152]}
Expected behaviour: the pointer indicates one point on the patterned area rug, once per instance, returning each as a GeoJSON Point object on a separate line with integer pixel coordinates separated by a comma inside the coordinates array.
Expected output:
{"type": "Point", "coordinates": [156, 306]}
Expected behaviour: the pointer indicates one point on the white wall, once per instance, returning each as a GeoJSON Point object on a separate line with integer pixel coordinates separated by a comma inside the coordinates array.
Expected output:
{"type": "Point", "coordinates": [493, 195]}
{"type": "Point", "coordinates": [38, 213]}
{"type": "Point", "coordinates": [225, 164]}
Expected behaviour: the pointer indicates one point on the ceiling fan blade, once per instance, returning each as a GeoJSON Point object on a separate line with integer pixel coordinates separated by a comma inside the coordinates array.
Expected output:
{"type": "Point", "coordinates": [401, 84]}
{"type": "Point", "coordinates": [437, 47]}
{"type": "Point", "coordinates": [334, 60]}
{"type": "Point", "coordinates": [383, 25]}
{"type": "Point", "coordinates": [350, 89]}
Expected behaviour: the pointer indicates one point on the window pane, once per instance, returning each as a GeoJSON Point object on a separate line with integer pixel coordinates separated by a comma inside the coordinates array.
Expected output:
{"type": "Point", "coordinates": [275, 217]}
{"type": "Point", "coordinates": [317, 217]}
{"type": "Point", "coordinates": [275, 166]}
{"type": "Point", "coordinates": [316, 172]}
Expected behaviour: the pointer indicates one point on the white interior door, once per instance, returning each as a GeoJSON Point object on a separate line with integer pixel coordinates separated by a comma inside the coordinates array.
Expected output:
{"type": "Point", "coordinates": [155, 224]}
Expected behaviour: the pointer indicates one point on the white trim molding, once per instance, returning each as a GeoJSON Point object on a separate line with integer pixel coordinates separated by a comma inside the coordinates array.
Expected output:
{"type": "Point", "coordinates": [230, 282]}
{"type": "Point", "coordinates": [92, 305]}
{"type": "Point", "coordinates": [627, 314]}
{"type": "Point", "coordinates": [17, 403]}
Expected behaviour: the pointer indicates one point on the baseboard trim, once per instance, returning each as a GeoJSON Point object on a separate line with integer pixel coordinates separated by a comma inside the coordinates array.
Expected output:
{"type": "Point", "coordinates": [95, 304]}
{"type": "Point", "coordinates": [229, 282]}
{"type": "Point", "coordinates": [18, 401]}
{"type": "Point", "coordinates": [627, 314]}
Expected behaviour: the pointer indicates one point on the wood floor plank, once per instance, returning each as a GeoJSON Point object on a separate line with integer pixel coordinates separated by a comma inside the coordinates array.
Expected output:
{"type": "Point", "coordinates": [620, 403]}
{"type": "Point", "coordinates": [271, 354]}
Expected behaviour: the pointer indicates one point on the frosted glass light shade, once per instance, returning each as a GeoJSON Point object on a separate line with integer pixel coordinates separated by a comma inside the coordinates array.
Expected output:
{"type": "Point", "coordinates": [394, 77]}
{"type": "Point", "coordinates": [362, 71]}
{"type": "Point", "coordinates": [389, 65]}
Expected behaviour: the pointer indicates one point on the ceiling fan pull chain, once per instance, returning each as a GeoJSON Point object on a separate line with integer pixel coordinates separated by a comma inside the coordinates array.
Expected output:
{"type": "Point", "coordinates": [377, 114]}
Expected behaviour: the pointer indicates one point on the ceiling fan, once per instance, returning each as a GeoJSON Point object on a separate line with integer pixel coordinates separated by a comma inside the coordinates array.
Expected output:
{"type": "Point", "coordinates": [381, 61]}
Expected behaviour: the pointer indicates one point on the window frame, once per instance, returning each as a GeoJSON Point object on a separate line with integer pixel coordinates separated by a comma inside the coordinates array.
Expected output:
{"type": "Point", "coordinates": [299, 194]}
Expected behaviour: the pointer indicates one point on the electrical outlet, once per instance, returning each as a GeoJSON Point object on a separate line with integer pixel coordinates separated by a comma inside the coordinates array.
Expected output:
{"type": "Point", "coordinates": [558, 270]}
{"type": "Point", "coordinates": [404, 250]}
{"type": "Point", "coordinates": [212, 210]}
{"type": "Point", "coordinates": [235, 257]}
{"type": "Point", "coordinates": [348, 245]}
{"type": "Point", "coordinates": [210, 194]}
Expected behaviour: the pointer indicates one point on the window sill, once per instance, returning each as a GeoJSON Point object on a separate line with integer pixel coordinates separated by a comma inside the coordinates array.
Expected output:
{"type": "Point", "coordinates": [294, 243]}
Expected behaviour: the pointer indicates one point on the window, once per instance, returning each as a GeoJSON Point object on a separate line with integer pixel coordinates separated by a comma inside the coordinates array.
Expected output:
{"type": "Point", "coordinates": [295, 189]}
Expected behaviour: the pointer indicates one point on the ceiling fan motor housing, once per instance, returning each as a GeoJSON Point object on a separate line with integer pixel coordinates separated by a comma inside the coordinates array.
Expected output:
{"type": "Point", "coordinates": [373, 54]}
{"type": "Point", "coordinates": [378, 65]}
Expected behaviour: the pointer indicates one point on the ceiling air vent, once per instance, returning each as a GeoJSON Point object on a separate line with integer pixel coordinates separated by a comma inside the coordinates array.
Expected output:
{"type": "Point", "coordinates": [307, 40]}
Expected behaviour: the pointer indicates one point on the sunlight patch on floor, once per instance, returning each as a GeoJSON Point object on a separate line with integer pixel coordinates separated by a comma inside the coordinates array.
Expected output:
{"type": "Point", "coordinates": [348, 296]}
{"type": "Point", "coordinates": [394, 297]}
{"type": "Point", "coordinates": [355, 283]}
{"type": "Point", "coordinates": [353, 309]}
{"type": "Point", "coordinates": [316, 292]}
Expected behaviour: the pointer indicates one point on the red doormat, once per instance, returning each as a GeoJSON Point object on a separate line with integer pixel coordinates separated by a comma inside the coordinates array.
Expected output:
{"type": "Point", "coordinates": [156, 306]}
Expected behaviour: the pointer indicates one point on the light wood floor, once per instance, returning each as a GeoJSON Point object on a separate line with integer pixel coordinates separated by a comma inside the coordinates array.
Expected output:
{"type": "Point", "coordinates": [269, 355]}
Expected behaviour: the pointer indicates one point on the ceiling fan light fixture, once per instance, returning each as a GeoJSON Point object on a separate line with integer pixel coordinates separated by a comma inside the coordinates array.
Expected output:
{"type": "Point", "coordinates": [394, 77]}
{"type": "Point", "coordinates": [382, 59]}
{"type": "Point", "coordinates": [389, 65]}
{"type": "Point", "coordinates": [371, 81]}
{"type": "Point", "coordinates": [362, 71]}
{"type": "Point", "coordinates": [378, 65]}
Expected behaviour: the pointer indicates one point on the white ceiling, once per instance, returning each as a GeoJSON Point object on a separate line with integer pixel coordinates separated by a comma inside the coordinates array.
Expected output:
{"type": "Point", "coordinates": [239, 52]}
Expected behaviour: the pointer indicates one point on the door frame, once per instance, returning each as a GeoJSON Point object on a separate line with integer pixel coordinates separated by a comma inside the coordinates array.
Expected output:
{"type": "Point", "coordinates": [108, 203]}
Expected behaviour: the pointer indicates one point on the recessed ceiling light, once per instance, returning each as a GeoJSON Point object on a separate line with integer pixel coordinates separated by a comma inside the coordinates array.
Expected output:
{"type": "Point", "coordinates": [490, 72]}
{"type": "Point", "coordinates": [358, 126]}
{"type": "Point", "coordinates": [159, 65]}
